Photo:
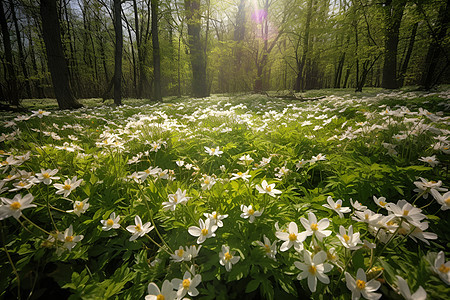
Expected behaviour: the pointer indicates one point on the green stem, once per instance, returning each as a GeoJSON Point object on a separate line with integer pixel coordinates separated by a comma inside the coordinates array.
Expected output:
{"type": "Point", "coordinates": [11, 262]}
{"type": "Point", "coordinates": [37, 226]}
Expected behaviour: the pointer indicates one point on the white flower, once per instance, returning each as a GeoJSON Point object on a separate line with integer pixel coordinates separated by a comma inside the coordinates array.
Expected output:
{"type": "Point", "coordinates": [301, 163]}
{"type": "Point", "coordinates": [443, 200]}
{"type": "Point", "coordinates": [356, 205]}
{"type": "Point", "coordinates": [350, 240]}
{"type": "Point", "coordinates": [337, 206]}
{"type": "Point", "coordinates": [227, 258]}
{"type": "Point", "coordinates": [40, 113]}
{"type": "Point", "coordinates": [442, 268]}
{"type": "Point", "coordinates": [381, 202]}
{"type": "Point", "coordinates": [207, 182]}
{"type": "Point", "coordinates": [139, 230]}
{"type": "Point", "coordinates": [250, 213]}
{"type": "Point", "coordinates": [314, 268]}
{"type": "Point", "coordinates": [155, 146]}
{"type": "Point", "coordinates": [111, 223]}
{"type": "Point", "coordinates": [317, 158]}
{"type": "Point", "coordinates": [46, 176]}
{"type": "Point", "coordinates": [166, 292]}
{"type": "Point", "coordinates": [316, 228]}
{"type": "Point", "coordinates": [180, 163]}
{"type": "Point", "coordinates": [240, 175]}
{"type": "Point", "coordinates": [192, 252]}
{"type": "Point", "coordinates": [266, 188]}
{"type": "Point", "coordinates": [291, 238]}
{"type": "Point", "coordinates": [13, 207]}
{"type": "Point", "coordinates": [80, 207]}
{"type": "Point", "coordinates": [178, 198]}
{"type": "Point", "coordinates": [68, 186]}
{"type": "Point", "coordinates": [420, 294]}
{"type": "Point", "coordinates": [188, 285]}
{"type": "Point", "coordinates": [283, 171]}
{"type": "Point", "coordinates": [425, 186]}
{"type": "Point", "coordinates": [69, 239]}
{"type": "Point", "coordinates": [213, 151]}
{"type": "Point", "coordinates": [246, 159]}
{"type": "Point", "coordinates": [367, 216]}
{"type": "Point", "coordinates": [216, 218]}
{"type": "Point", "coordinates": [205, 230]}
{"type": "Point", "coordinates": [403, 209]}
{"type": "Point", "coordinates": [270, 249]}
{"type": "Point", "coordinates": [360, 286]}
{"type": "Point", "coordinates": [430, 160]}
{"type": "Point", "coordinates": [179, 255]}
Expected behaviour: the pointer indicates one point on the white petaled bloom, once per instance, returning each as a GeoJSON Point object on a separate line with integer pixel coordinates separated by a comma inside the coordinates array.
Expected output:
{"type": "Point", "coordinates": [431, 160]}
{"type": "Point", "coordinates": [13, 207]}
{"type": "Point", "coordinates": [69, 239]}
{"type": "Point", "coordinates": [270, 249]}
{"type": "Point", "coordinates": [213, 151]}
{"type": "Point", "coordinates": [139, 230]}
{"type": "Point", "coordinates": [227, 258]}
{"type": "Point", "coordinates": [207, 182]}
{"type": "Point", "coordinates": [180, 163]}
{"type": "Point", "coordinates": [283, 171]}
{"type": "Point", "coordinates": [192, 252]}
{"type": "Point", "coordinates": [417, 232]}
{"type": "Point", "coordinates": [188, 285]}
{"type": "Point", "coordinates": [246, 159]}
{"type": "Point", "coordinates": [319, 157]}
{"type": "Point", "coordinates": [179, 255]}
{"type": "Point", "coordinates": [111, 223]}
{"type": "Point", "coordinates": [360, 286]}
{"type": "Point", "coordinates": [350, 240]}
{"type": "Point", "coordinates": [174, 199]}
{"type": "Point", "coordinates": [424, 186]}
{"type": "Point", "coordinates": [337, 207]}
{"type": "Point", "coordinates": [80, 207]}
{"type": "Point", "coordinates": [368, 245]}
{"type": "Point", "coordinates": [314, 268]}
{"type": "Point", "coordinates": [250, 213]}
{"type": "Point", "coordinates": [155, 146]}
{"type": "Point", "coordinates": [443, 200]}
{"type": "Point", "coordinates": [442, 268]}
{"type": "Point", "coordinates": [266, 188]}
{"type": "Point", "coordinates": [316, 228]}
{"type": "Point", "coordinates": [240, 175]}
{"type": "Point", "coordinates": [381, 202]}
{"type": "Point", "coordinates": [216, 218]}
{"type": "Point", "coordinates": [301, 163]}
{"type": "Point", "coordinates": [46, 176]}
{"type": "Point", "coordinates": [205, 230]}
{"type": "Point", "coordinates": [39, 113]}
{"type": "Point", "coordinates": [165, 293]}
{"type": "Point", "coordinates": [356, 205]}
{"type": "Point", "coordinates": [403, 287]}
{"type": "Point", "coordinates": [404, 209]}
{"type": "Point", "coordinates": [68, 186]}
{"type": "Point", "coordinates": [367, 216]}
{"type": "Point", "coordinates": [291, 238]}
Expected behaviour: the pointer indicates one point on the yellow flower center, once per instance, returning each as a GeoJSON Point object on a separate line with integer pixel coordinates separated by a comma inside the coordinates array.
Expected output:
{"type": "Point", "coordinates": [240, 173]}
{"type": "Point", "coordinates": [214, 216]}
{"type": "Point", "coordinates": [67, 187]}
{"type": "Point", "coordinates": [46, 175]}
{"type": "Point", "coordinates": [390, 223]}
{"type": "Point", "coordinates": [444, 269]}
{"type": "Point", "coordinates": [360, 284]}
{"type": "Point", "coordinates": [314, 227]}
{"type": "Point", "coordinates": [15, 205]}
{"type": "Point", "coordinates": [346, 237]}
{"type": "Point", "coordinates": [338, 206]}
{"type": "Point", "coordinates": [330, 256]}
{"type": "Point", "coordinates": [186, 283]}
{"type": "Point", "coordinates": [204, 231]}
{"type": "Point", "coordinates": [228, 256]}
{"type": "Point", "coordinates": [206, 181]}
{"type": "Point", "coordinates": [213, 150]}
{"type": "Point", "coordinates": [447, 201]}
{"type": "Point", "coordinates": [175, 198]}
{"type": "Point", "coordinates": [292, 237]}
{"type": "Point", "coordinates": [251, 211]}
{"type": "Point", "coordinates": [269, 188]}
{"type": "Point", "coordinates": [147, 171]}
{"type": "Point", "coordinates": [160, 297]}
{"type": "Point", "coordinates": [267, 248]}
{"type": "Point", "coordinates": [366, 216]}
{"type": "Point", "coordinates": [312, 270]}
{"type": "Point", "coordinates": [180, 252]}
{"type": "Point", "coordinates": [69, 239]}
{"type": "Point", "coordinates": [382, 203]}
{"type": "Point", "coordinates": [405, 212]}
{"type": "Point", "coordinates": [110, 222]}
{"type": "Point", "coordinates": [79, 205]}
{"type": "Point", "coordinates": [138, 227]}
{"type": "Point", "coordinates": [22, 183]}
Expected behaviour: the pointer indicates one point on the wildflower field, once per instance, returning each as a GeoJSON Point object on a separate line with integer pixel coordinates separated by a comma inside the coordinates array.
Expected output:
{"type": "Point", "coordinates": [228, 197]}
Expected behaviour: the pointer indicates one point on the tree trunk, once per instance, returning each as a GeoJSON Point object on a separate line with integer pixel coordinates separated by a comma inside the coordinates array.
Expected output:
{"type": "Point", "coordinates": [11, 79]}
{"type": "Point", "coordinates": [118, 52]}
{"type": "Point", "coordinates": [301, 65]}
{"type": "Point", "coordinates": [55, 57]}
{"type": "Point", "coordinates": [156, 53]}
{"type": "Point", "coordinates": [404, 66]}
{"type": "Point", "coordinates": [429, 78]}
{"type": "Point", "coordinates": [193, 17]}
{"type": "Point", "coordinates": [393, 13]}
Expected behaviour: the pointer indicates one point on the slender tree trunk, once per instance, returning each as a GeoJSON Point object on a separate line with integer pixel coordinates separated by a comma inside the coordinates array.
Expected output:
{"type": "Point", "coordinates": [37, 76]}
{"type": "Point", "coordinates": [300, 67]}
{"type": "Point", "coordinates": [340, 67]}
{"type": "Point", "coordinates": [409, 50]}
{"type": "Point", "coordinates": [156, 53]}
{"type": "Point", "coordinates": [393, 13]}
{"type": "Point", "coordinates": [118, 52]}
{"type": "Point", "coordinates": [198, 62]}
{"type": "Point", "coordinates": [12, 91]}
{"type": "Point", "coordinates": [55, 56]}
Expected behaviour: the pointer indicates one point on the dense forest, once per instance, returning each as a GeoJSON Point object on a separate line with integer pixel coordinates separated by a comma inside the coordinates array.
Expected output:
{"type": "Point", "coordinates": [153, 48]}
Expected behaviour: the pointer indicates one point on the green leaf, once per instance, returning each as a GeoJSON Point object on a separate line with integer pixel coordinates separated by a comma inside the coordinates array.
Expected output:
{"type": "Point", "coordinates": [252, 285]}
